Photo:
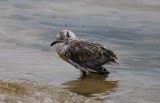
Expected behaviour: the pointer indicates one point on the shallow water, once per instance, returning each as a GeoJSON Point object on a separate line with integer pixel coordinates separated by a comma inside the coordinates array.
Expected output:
{"type": "Point", "coordinates": [130, 28]}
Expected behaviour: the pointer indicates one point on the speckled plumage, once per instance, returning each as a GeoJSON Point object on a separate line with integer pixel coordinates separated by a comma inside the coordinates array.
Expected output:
{"type": "Point", "coordinates": [83, 54]}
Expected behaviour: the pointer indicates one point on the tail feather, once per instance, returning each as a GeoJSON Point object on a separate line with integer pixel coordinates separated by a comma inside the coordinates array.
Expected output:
{"type": "Point", "coordinates": [114, 60]}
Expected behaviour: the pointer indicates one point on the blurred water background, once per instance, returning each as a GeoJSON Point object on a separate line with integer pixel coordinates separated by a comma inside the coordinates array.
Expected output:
{"type": "Point", "coordinates": [130, 28]}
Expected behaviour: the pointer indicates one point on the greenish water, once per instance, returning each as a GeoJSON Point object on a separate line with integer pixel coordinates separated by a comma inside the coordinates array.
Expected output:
{"type": "Point", "coordinates": [130, 28]}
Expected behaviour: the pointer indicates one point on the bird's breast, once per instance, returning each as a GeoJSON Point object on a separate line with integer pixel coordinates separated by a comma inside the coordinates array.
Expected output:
{"type": "Point", "coordinates": [61, 51]}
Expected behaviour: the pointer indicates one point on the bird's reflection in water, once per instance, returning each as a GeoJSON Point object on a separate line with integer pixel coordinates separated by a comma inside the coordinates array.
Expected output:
{"type": "Point", "coordinates": [91, 84]}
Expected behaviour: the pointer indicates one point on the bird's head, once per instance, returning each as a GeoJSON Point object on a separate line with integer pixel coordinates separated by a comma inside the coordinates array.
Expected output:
{"type": "Point", "coordinates": [63, 36]}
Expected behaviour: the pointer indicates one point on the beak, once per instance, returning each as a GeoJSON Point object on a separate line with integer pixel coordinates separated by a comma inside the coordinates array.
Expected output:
{"type": "Point", "coordinates": [55, 42]}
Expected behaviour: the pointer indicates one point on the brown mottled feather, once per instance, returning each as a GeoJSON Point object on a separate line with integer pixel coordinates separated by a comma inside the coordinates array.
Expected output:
{"type": "Point", "coordinates": [89, 54]}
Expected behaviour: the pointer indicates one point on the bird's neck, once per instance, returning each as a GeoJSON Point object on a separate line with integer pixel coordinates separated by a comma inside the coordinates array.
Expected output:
{"type": "Point", "coordinates": [61, 51]}
{"type": "Point", "coordinates": [59, 47]}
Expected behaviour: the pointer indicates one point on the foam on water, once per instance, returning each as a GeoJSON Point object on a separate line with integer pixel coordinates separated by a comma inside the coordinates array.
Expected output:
{"type": "Point", "coordinates": [29, 92]}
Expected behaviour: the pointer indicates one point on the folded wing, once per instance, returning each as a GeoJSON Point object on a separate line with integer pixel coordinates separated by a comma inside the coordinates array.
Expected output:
{"type": "Point", "coordinates": [89, 54]}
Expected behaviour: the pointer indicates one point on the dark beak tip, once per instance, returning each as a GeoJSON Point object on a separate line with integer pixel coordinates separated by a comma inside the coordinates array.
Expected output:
{"type": "Point", "coordinates": [54, 43]}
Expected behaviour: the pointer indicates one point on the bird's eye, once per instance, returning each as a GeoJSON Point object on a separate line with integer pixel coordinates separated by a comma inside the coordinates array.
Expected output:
{"type": "Point", "coordinates": [68, 34]}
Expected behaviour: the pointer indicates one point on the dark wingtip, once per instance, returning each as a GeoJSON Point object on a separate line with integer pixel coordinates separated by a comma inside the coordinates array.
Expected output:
{"type": "Point", "coordinates": [117, 61]}
{"type": "Point", "coordinates": [114, 61]}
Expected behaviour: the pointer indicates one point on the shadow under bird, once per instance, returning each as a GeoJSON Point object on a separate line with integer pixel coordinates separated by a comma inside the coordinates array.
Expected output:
{"type": "Point", "coordinates": [87, 56]}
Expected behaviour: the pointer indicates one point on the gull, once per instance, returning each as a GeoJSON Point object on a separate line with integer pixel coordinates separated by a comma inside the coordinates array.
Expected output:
{"type": "Point", "coordinates": [85, 55]}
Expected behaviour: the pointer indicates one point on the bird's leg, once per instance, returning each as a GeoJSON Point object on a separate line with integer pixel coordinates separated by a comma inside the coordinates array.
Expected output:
{"type": "Point", "coordinates": [84, 73]}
